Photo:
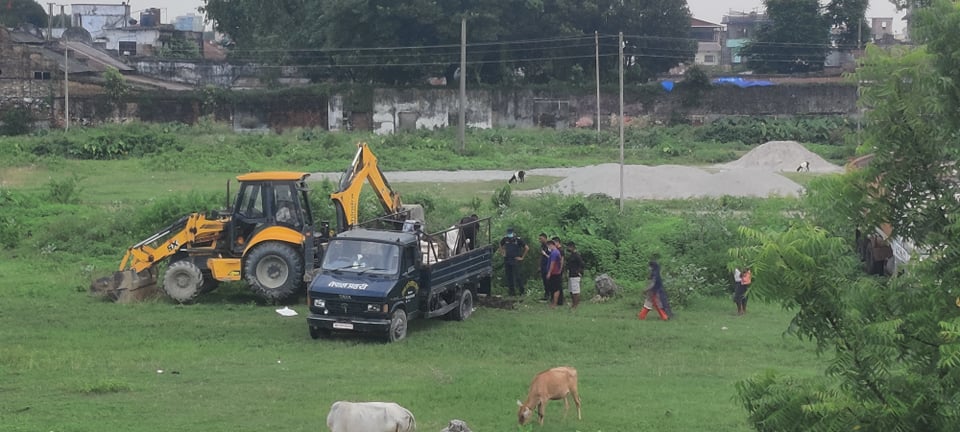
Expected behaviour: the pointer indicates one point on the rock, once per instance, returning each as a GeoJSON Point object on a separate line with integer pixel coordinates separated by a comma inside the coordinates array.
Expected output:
{"type": "Point", "coordinates": [456, 426]}
{"type": "Point", "coordinates": [606, 287]}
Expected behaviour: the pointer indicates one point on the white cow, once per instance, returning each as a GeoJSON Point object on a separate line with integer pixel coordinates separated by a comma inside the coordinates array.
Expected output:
{"type": "Point", "coordinates": [370, 417]}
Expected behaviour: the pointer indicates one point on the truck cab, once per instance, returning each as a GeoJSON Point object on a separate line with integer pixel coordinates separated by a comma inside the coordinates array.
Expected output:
{"type": "Point", "coordinates": [375, 281]}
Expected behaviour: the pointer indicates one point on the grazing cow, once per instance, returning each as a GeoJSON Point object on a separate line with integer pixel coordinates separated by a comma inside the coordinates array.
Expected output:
{"type": "Point", "coordinates": [551, 384]}
{"type": "Point", "coordinates": [370, 417]}
{"type": "Point", "coordinates": [517, 177]}
{"type": "Point", "coordinates": [804, 166]}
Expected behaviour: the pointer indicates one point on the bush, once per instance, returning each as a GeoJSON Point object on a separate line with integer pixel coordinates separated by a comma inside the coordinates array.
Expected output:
{"type": "Point", "coordinates": [17, 121]}
{"type": "Point", "coordinates": [758, 130]}
{"type": "Point", "coordinates": [65, 190]}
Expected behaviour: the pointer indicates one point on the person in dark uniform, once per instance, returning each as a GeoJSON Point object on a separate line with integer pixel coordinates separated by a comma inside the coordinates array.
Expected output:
{"type": "Point", "coordinates": [514, 250]}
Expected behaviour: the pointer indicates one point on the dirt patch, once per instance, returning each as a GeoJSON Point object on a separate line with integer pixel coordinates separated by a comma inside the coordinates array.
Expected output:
{"type": "Point", "coordinates": [497, 302]}
{"type": "Point", "coordinates": [16, 176]}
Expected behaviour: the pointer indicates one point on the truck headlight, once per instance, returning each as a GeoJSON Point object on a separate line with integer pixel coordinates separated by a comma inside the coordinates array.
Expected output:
{"type": "Point", "coordinates": [320, 303]}
{"type": "Point", "coordinates": [373, 308]}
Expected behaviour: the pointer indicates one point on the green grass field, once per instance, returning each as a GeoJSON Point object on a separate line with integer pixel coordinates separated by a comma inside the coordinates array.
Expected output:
{"type": "Point", "coordinates": [69, 362]}
{"type": "Point", "coordinates": [73, 363]}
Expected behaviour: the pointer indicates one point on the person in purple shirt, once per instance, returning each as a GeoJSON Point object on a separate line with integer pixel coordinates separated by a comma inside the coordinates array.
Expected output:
{"type": "Point", "coordinates": [554, 272]}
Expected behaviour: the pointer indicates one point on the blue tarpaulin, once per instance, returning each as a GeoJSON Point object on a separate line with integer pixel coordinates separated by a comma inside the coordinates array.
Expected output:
{"type": "Point", "coordinates": [667, 85]}
{"type": "Point", "coordinates": [741, 82]}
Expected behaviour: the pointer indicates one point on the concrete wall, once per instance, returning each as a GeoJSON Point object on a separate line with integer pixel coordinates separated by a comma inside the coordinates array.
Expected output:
{"type": "Point", "coordinates": [395, 110]}
{"type": "Point", "coordinates": [195, 73]}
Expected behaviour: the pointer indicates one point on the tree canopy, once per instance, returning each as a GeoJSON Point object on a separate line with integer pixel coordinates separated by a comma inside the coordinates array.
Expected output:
{"type": "Point", "coordinates": [894, 343]}
{"type": "Point", "coordinates": [16, 12]}
{"type": "Point", "coordinates": [795, 40]}
{"type": "Point", "coordinates": [508, 40]}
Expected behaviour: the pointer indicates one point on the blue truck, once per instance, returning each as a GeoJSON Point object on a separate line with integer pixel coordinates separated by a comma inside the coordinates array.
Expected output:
{"type": "Point", "coordinates": [375, 281]}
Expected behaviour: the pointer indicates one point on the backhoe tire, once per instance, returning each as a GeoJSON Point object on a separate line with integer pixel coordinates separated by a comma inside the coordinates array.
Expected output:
{"type": "Point", "coordinates": [274, 270]}
{"type": "Point", "coordinates": [398, 326]}
{"type": "Point", "coordinates": [182, 281]}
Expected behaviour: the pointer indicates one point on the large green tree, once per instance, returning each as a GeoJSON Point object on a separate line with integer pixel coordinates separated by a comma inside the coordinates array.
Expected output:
{"type": "Point", "coordinates": [16, 12]}
{"type": "Point", "coordinates": [847, 17]}
{"type": "Point", "coordinates": [796, 39]}
{"type": "Point", "coordinates": [894, 344]}
{"type": "Point", "coordinates": [509, 40]}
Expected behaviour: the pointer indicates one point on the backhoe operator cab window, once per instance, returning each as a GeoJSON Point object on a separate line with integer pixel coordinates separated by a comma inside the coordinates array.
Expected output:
{"type": "Point", "coordinates": [287, 210]}
{"type": "Point", "coordinates": [250, 201]}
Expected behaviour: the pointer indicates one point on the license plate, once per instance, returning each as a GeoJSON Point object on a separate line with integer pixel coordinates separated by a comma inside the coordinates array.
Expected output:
{"type": "Point", "coordinates": [343, 326]}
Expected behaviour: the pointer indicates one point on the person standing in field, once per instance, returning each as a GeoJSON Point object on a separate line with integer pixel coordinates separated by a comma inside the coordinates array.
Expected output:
{"type": "Point", "coordinates": [514, 250]}
{"type": "Point", "coordinates": [654, 296]}
{"type": "Point", "coordinates": [746, 278]}
{"type": "Point", "coordinates": [544, 262]}
{"type": "Point", "coordinates": [563, 263]}
{"type": "Point", "coordinates": [574, 272]}
{"type": "Point", "coordinates": [738, 290]}
{"type": "Point", "coordinates": [554, 273]}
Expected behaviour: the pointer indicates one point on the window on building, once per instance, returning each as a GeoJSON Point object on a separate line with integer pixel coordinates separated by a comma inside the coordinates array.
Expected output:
{"type": "Point", "coordinates": [41, 75]}
{"type": "Point", "coordinates": [127, 48]}
{"type": "Point", "coordinates": [709, 58]}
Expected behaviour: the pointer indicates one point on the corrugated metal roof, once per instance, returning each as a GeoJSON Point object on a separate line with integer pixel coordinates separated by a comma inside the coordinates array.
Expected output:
{"type": "Point", "coordinates": [18, 36]}
{"type": "Point", "coordinates": [94, 55]}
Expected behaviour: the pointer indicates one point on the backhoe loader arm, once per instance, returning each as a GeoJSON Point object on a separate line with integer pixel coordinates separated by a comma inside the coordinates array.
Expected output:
{"type": "Point", "coordinates": [346, 200]}
{"type": "Point", "coordinates": [192, 230]}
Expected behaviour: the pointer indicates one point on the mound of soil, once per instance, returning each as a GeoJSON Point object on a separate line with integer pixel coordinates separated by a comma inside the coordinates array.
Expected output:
{"type": "Point", "coordinates": [780, 156]}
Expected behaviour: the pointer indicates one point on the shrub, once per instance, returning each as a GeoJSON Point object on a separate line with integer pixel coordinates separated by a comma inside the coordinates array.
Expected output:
{"type": "Point", "coordinates": [17, 121]}
{"type": "Point", "coordinates": [65, 190]}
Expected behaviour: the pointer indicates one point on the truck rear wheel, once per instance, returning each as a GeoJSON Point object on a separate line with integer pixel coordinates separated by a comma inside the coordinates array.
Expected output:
{"type": "Point", "coordinates": [398, 326]}
{"type": "Point", "coordinates": [465, 308]}
{"type": "Point", "coordinates": [182, 281]}
{"type": "Point", "coordinates": [274, 270]}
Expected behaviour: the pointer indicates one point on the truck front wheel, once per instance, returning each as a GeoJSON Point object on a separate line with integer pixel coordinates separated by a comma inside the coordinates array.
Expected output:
{"type": "Point", "coordinates": [398, 326]}
{"type": "Point", "coordinates": [274, 270]}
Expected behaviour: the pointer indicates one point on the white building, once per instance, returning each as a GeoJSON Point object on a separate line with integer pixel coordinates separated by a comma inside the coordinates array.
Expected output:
{"type": "Point", "coordinates": [98, 18]}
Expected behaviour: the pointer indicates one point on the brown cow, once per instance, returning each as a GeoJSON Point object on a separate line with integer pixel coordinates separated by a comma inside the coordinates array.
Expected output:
{"type": "Point", "coordinates": [551, 384]}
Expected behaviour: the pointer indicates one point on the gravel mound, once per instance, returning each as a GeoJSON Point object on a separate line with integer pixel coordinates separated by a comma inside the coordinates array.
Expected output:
{"type": "Point", "coordinates": [780, 156]}
{"type": "Point", "coordinates": [670, 182]}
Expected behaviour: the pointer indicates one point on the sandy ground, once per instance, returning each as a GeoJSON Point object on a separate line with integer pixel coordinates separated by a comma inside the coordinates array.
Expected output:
{"type": "Point", "coordinates": [757, 174]}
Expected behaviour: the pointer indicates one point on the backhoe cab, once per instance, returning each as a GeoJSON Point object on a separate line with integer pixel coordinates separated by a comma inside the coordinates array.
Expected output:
{"type": "Point", "coordinates": [266, 238]}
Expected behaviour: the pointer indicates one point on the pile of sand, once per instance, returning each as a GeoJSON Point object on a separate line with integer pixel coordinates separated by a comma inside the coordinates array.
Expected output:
{"type": "Point", "coordinates": [672, 181]}
{"type": "Point", "coordinates": [780, 156]}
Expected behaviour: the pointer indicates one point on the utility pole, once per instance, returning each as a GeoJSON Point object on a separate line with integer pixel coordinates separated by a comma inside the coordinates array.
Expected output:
{"type": "Point", "coordinates": [463, 85]}
{"type": "Point", "coordinates": [66, 85]}
{"type": "Point", "coordinates": [49, 21]}
{"type": "Point", "coordinates": [621, 122]}
{"type": "Point", "coordinates": [596, 45]}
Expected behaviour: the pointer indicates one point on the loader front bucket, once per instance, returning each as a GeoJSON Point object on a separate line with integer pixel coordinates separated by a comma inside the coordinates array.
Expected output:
{"type": "Point", "coordinates": [126, 286]}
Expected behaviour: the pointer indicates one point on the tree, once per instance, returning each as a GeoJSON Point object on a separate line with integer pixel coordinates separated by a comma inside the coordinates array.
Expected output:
{"type": "Point", "coordinates": [895, 343]}
{"type": "Point", "coordinates": [357, 39]}
{"type": "Point", "coordinates": [115, 86]}
{"type": "Point", "coordinates": [16, 12]}
{"type": "Point", "coordinates": [796, 39]}
{"type": "Point", "coordinates": [847, 17]}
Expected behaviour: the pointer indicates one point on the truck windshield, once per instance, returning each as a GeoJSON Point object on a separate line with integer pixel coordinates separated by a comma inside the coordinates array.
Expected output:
{"type": "Point", "coordinates": [368, 257]}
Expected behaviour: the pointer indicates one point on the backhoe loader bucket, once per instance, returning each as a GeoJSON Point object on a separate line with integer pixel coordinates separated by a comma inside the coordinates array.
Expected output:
{"type": "Point", "coordinates": [126, 286]}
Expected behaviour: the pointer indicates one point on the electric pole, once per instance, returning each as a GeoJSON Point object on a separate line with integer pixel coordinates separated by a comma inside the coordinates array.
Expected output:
{"type": "Point", "coordinates": [463, 85]}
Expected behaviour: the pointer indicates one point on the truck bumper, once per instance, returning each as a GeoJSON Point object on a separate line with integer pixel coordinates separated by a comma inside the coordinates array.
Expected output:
{"type": "Point", "coordinates": [341, 323]}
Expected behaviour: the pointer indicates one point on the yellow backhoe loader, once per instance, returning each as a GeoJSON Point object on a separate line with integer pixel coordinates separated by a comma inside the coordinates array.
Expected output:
{"type": "Point", "coordinates": [267, 238]}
